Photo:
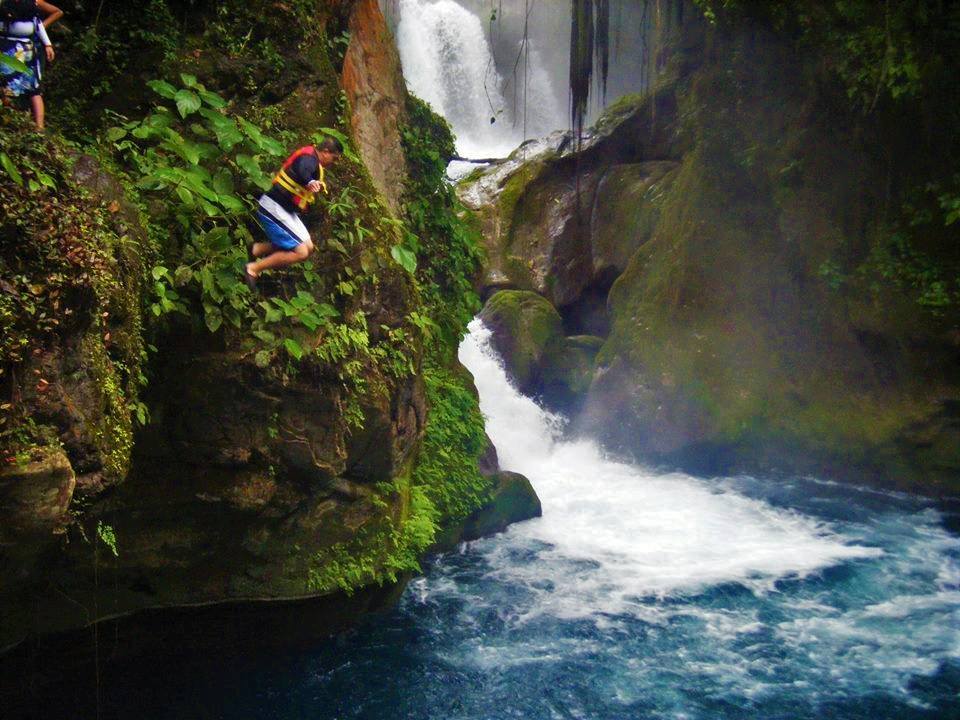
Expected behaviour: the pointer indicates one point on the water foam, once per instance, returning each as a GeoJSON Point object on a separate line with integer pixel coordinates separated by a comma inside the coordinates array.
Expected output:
{"type": "Point", "coordinates": [615, 533]}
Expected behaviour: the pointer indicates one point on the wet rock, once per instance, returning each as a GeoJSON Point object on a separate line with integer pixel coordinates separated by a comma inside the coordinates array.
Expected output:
{"type": "Point", "coordinates": [373, 82]}
{"type": "Point", "coordinates": [526, 330]}
{"type": "Point", "coordinates": [626, 211]}
{"type": "Point", "coordinates": [35, 496]}
{"type": "Point", "coordinates": [514, 500]}
{"type": "Point", "coordinates": [566, 376]}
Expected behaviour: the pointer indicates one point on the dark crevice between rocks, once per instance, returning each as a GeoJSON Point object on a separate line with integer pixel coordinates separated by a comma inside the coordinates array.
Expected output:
{"type": "Point", "coordinates": [588, 314]}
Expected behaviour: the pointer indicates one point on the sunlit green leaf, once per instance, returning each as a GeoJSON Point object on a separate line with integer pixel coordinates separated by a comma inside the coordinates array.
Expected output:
{"type": "Point", "coordinates": [293, 347]}
{"type": "Point", "coordinates": [162, 88]}
{"type": "Point", "coordinates": [187, 102]}
{"type": "Point", "coordinates": [212, 99]}
{"type": "Point", "coordinates": [10, 169]}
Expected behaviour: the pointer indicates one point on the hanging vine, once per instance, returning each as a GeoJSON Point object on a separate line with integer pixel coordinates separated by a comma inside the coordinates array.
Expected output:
{"type": "Point", "coordinates": [589, 49]}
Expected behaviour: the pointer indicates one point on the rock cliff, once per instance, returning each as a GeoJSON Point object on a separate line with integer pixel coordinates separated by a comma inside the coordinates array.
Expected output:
{"type": "Point", "coordinates": [694, 233]}
{"type": "Point", "coordinates": [159, 449]}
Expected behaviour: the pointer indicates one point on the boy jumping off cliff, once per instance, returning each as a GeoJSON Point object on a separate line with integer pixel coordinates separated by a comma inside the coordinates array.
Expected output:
{"type": "Point", "coordinates": [294, 187]}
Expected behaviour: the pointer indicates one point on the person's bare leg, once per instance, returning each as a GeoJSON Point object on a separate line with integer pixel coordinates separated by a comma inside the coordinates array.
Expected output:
{"type": "Point", "coordinates": [260, 249]}
{"type": "Point", "coordinates": [280, 258]}
{"type": "Point", "coordinates": [36, 106]}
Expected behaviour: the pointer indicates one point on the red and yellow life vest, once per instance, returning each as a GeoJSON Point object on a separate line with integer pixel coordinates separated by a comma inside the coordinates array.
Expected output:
{"type": "Point", "coordinates": [301, 196]}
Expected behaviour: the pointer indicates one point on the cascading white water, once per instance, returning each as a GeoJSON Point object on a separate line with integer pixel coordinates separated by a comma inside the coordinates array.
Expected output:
{"type": "Point", "coordinates": [642, 533]}
{"type": "Point", "coordinates": [447, 61]}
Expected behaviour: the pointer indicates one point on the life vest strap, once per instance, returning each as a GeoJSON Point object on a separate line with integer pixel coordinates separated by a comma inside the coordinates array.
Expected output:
{"type": "Point", "coordinates": [301, 196]}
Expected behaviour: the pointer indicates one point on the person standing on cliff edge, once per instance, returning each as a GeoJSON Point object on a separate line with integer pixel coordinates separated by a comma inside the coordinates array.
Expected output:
{"type": "Point", "coordinates": [22, 34]}
{"type": "Point", "coordinates": [294, 187]}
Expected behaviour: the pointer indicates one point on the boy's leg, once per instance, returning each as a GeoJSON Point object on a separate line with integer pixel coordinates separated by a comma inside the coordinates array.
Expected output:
{"type": "Point", "coordinates": [279, 258]}
{"type": "Point", "coordinates": [260, 249]}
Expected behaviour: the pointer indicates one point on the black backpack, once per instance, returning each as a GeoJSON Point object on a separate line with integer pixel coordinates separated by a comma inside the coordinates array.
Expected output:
{"type": "Point", "coordinates": [14, 10]}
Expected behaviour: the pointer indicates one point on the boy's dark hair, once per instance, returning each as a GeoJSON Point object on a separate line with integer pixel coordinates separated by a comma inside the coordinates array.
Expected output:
{"type": "Point", "coordinates": [331, 144]}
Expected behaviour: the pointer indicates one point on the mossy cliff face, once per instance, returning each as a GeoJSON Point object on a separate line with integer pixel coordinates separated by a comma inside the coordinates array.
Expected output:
{"type": "Point", "coordinates": [713, 208]}
{"type": "Point", "coordinates": [153, 460]}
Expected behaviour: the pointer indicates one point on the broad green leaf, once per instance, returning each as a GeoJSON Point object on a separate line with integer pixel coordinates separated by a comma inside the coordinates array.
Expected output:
{"type": "Point", "coordinates": [212, 99]}
{"type": "Point", "coordinates": [228, 137]}
{"type": "Point", "coordinates": [326, 310]}
{"type": "Point", "coordinates": [159, 271]}
{"type": "Point", "coordinates": [217, 239]}
{"type": "Point", "coordinates": [116, 133]}
{"type": "Point", "coordinates": [248, 165]}
{"type": "Point", "coordinates": [159, 120]}
{"type": "Point", "coordinates": [223, 182]}
{"type": "Point", "coordinates": [10, 169]}
{"type": "Point", "coordinates": [231, 203]}
{"type": "Point", "coordinates": [143, 132]}
{"type": "Point", "coordinates": [189, 80]}
{"type": "Point", "coordinates": [184, 149]}
{"type": "Point", "coordinates": [274, 147]}
{"type": "Point", "coordinates": [337, 245]}
{"type": "Point", "coordinates": [251, 131]}
{"type": "Point", "coordinates": [162, 88]}
{"type": "Point", "coordinates": [293, 347]}
{"type": "Point", "coordinates": [213, 317]}
{"type": "Point", "coordinates": [264, 336]}
{"type": "Point", "coordinates": [271, 314]}
{"type": "Point", "coordinates": [187, 102]}
{"type": "Point", "coordinates": [405, 258]}
{"type": "Point", "coordinates": [185, 195]}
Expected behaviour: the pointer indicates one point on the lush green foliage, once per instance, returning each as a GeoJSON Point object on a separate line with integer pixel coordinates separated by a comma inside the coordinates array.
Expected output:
{"type": "Point", "coordinates": [454, 440]}
{"type": "Point", "coordinates": [893, 49]}
{"type": "Point", "coordinates": [207, 163]}
{"type": "Point", "coordinates": [444, 487]}
{"type": "Point", "coordinates": [446, 241]}
{"type": "Point", "coordinates": [102, 55]}
{"type": "Point", "coordinates": [445, 484]}
{"type": "Point", "coordinates": [381, 549]}
{"type": "Point", "coordinates": [919, 257]}
{"type": "Point", "coordinates": [68, 264]}
{"type": "Point", "coordinates": [897, 64]}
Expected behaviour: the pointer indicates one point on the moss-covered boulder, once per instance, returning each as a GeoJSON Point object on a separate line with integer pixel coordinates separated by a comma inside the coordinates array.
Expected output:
{"type": "Point", "coordinates": [526, 329]}
{"type": "Point", "coordinates": [726, 236]}
{"type": "Point", "coordinates": [513, 500]}
{"type": "Point", "coordinates": [35, 495]}
{"type": "Point", "coordinates": [626, 211]}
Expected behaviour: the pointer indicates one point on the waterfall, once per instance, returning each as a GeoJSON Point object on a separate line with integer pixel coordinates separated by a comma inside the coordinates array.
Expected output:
{"type": "Point", "coordinates": [619, 532]}
{"type": "Point", "coordinates": [448, 61]}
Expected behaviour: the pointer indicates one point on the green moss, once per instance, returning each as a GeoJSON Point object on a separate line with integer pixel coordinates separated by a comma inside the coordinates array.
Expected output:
{"type": "Point", "coordinates": [447, 469]}
{"type": "Point", "coordinates": [527, 329]}
{"type": "Point", "coordinates": [513, 203]}
{"type": "Point", "coordinates": [109, 420]}
{"type": "Point", "coordinates": [83, 273]}
{"type": "Point", "coordinates": [705, 315]}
